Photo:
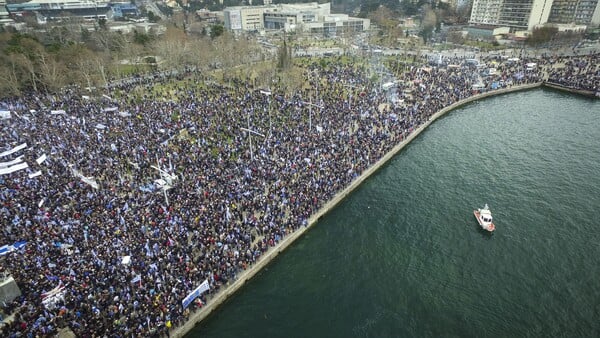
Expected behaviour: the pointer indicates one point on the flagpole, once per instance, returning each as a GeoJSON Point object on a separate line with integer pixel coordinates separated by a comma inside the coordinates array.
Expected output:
{"type": "Point", "coordinates": [164, 189]}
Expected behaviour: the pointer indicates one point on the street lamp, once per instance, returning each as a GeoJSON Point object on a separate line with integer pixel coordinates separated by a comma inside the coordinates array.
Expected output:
{"type": "Point", "coordinates": [350, 98]}
{"type": "Point", "coordinates": [250, 132]}
{"type": "Point", "coordinates": [310, 105]}
{"type": "Point", "coordinates": [268, 94]}
{"type": "Point", "coordinates": [166, 180]}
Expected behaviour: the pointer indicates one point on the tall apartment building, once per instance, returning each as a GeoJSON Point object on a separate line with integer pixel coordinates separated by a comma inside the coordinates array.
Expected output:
{"type": "Point", "coordinates": [486, 12]}
{"type": "Point", "coordinates": [578, 12]}
{"type": "Point", "coordinates": [517, 14]}
{"type": "Point", "coordinates": [526, 14]}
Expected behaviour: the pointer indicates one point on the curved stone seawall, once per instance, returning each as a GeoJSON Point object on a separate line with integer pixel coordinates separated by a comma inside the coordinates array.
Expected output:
{"type": "Point", "coordinates": [587, 93]}
{"type": "Point", "coordinates": [220, 297]}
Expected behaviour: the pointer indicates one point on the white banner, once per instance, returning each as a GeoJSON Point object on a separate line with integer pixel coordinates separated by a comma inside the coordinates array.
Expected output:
{"type": "Point", "coordinates": [88, 180]}
{"type": "Point", "coordinates": [41, 159]}
{"type": "Point", "coordinates": [15, 161]}
{"type": "Point", "coordinates": [50, 298]}
{"type": "Point", "coordinates": [35, 174]}
{"type": "Point", "coordinates": [91, 182]}
{"type": "Point", "coordinates": [8, 170]}
{"type": "Point", "coordinates": [54, 291]}
{"type": "Point", "coordinates": [14, 150]}
{"type": "Point", "coordinates": [126, 260]}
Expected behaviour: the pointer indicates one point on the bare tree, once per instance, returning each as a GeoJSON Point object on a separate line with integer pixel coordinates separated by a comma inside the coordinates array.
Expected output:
{"type": "Point", "coordinates": [225, 50]}
{"type": "Point", "coordinates": [428, 23]}
{"type": "Point", "coordinates": [173, 48]}
{"type": "Point", "coordinates": [101, 61]}
{"type": "Point", "coordinates": [29, 51]}
{"type": "Point", "coordinates": [200, 52]}
{"type": "Point", "coordinates": [10, 74]}
{"type": "Point", "coordinates": [88, 68]}
{"type": "Point", "coordinates": [51, 73]}
{"type": "Point", "coordinates": [386, 20]}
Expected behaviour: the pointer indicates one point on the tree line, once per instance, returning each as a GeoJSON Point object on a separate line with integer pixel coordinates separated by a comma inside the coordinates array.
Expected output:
{"type": "Point", "coordinates": [75, 55]}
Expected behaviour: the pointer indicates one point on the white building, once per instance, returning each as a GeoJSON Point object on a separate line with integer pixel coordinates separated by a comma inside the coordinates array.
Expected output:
{"type": "Point", "coordinates": [244, 18]}
{"type": "Point", "coordinates": [308, 17]}
{"type": "Point", "coordinates": [4, 17]}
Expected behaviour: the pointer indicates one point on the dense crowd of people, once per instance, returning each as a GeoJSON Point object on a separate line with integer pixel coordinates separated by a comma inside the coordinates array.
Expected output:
{"type": "Point", "coordinates": [246, 168]}
{"type": "Point", "coordinates": [579, 72]}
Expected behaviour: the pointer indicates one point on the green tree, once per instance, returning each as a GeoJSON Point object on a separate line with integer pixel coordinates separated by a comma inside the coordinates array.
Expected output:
{"type": "Point", "coordinates": [426, 33]}
{"type": "Point", "coordinates": [141, 38]}
{"type": "Point", "coordinates": [102, 23]}
{"type": "Point", "coordinates": [284, 56]}
{"type": "Point", "coordinates": [216, 30]}
{"type": "Point", "coordinates": [153, 17]}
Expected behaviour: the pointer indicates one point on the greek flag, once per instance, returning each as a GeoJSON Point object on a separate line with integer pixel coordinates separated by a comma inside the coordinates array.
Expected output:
{"type": "Point", "coordinates": [6, 249]}
{"type": "Point", "coordinates": [136, 279]}
{"type": "Point", "coordinates": [195, 294]}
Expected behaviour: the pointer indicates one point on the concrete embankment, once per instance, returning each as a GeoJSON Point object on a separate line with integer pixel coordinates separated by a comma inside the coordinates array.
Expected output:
{"type": "Point", "coordinates": [219, 298]}
{"type": "Point", "coordinates": [582, 92]}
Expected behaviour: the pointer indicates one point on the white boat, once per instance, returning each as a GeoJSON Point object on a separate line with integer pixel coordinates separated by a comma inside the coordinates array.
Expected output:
{"type": "Point", "coordinates": [484, 217]}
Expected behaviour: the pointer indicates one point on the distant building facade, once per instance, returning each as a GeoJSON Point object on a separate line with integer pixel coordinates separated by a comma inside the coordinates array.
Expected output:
{"type": "Point", "coordinates": [124, 10]}
{"type": "Point", "coordinates": [3, 11]}
{"type": "Point", "coordinates": [50, 10]}
{"type": "Point", "coordinates": [244, 18]}
{"type": "Point", "coordinates": [527, 14]}
{"type": "Point", "coordinates": [313, 18]}
{"type": "Point", "coordinates": [578, 12]}
{"type": "Point", "coordinates": [517, 14]}
{"type": "Point", "coordinates": [47, 10]}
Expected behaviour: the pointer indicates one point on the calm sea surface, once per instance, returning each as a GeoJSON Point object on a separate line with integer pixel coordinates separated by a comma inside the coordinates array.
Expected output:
{"type": "Point", "coordinates": [403, 256]}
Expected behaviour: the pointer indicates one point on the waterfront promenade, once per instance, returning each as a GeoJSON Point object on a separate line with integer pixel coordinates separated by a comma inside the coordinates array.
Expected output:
{"type": "Point", "coordinates": [216, 300]}
{"type": "Point", "coordinates": [239, 203]}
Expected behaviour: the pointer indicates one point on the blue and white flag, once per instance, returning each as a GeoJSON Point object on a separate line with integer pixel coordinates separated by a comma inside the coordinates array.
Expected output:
{"type": "Point", "coordinates": [6, 249]}
{"type": "Point", "coordinates": [195, 294]}
{"type": "Point", "coordinates": [136, 279]}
